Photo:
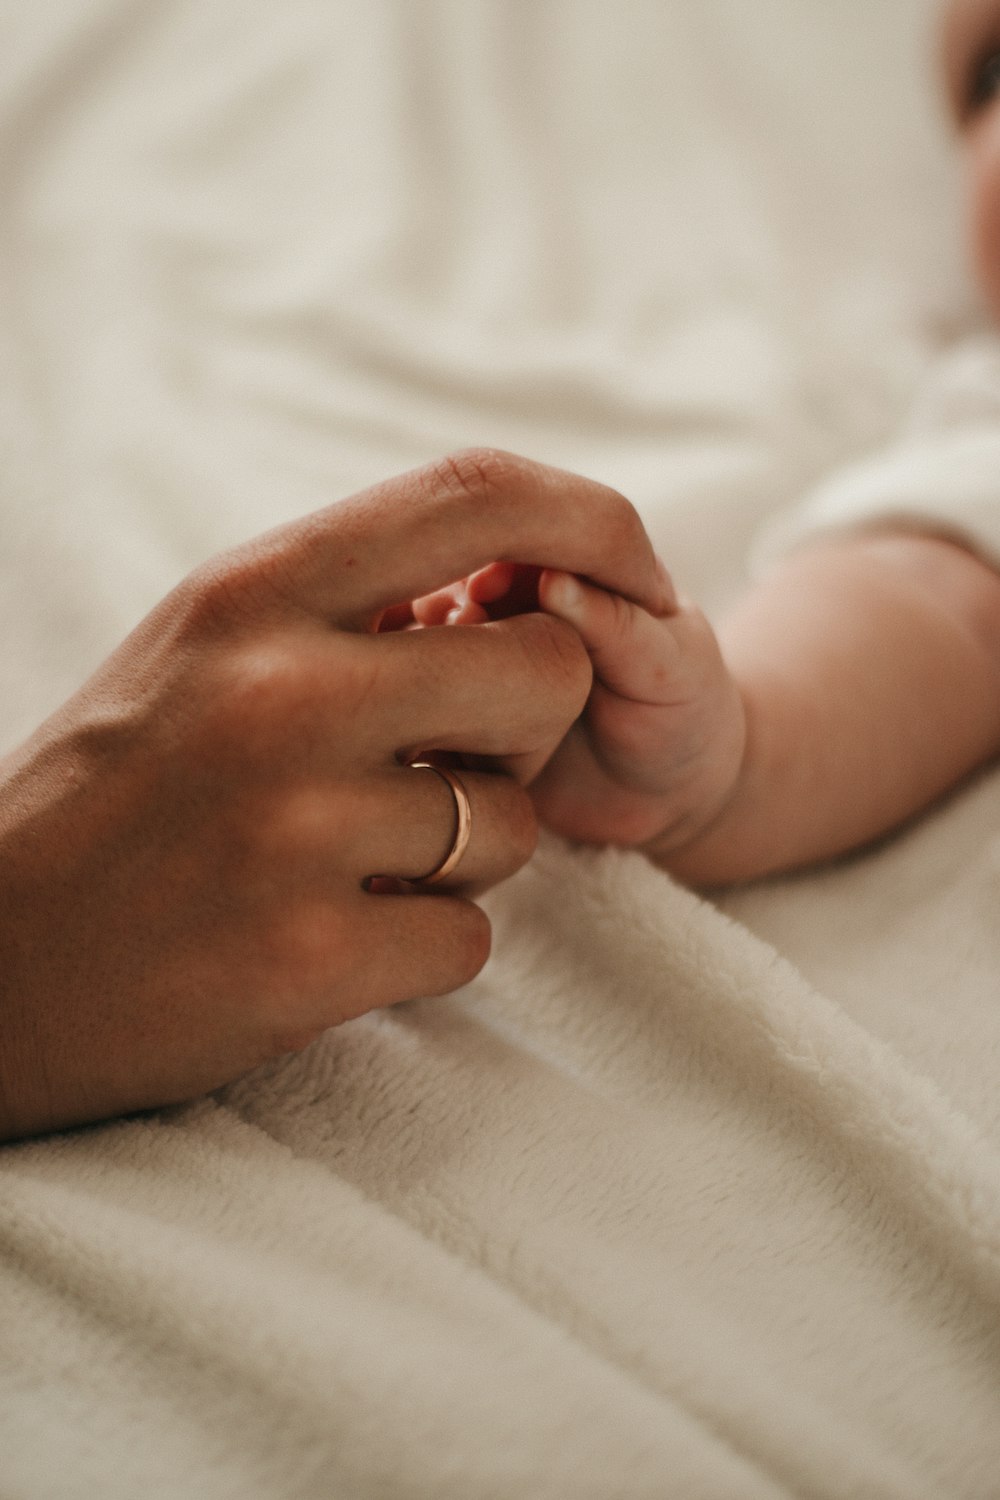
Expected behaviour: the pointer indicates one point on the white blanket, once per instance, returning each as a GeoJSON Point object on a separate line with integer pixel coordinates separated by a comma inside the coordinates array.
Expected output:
{"type": "Point", "coordinates": [679, 1198]}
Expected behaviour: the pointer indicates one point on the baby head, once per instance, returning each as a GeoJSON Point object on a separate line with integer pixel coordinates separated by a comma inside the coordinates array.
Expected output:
{"type": "Point", "coordinates": [971, 48]}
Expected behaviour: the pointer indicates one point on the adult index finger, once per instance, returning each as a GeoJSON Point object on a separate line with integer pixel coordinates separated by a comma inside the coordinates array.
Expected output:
{"type": "Point", "coordinates": [495, 690]}
{"type": "Point", "coordinates": [412, 534]}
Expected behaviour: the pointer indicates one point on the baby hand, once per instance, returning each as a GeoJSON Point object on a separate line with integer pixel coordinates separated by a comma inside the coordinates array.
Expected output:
{"type": "Point", "coordinates": [658, 749]}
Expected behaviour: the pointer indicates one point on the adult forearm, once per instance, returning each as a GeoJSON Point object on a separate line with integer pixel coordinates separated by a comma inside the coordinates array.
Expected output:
{"type": "Point", "coordinates": [870, 672]}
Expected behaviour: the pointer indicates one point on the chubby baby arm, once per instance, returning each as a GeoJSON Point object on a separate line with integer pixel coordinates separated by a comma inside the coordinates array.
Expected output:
{"type": "Point", "coordinates": [659, 746]}
{"type": "Point", "coordinates": [844, 693]}
{"type": "Point", "coordinates": [866, 670]}
{"type": "Point", "coordinates": [869, 667]}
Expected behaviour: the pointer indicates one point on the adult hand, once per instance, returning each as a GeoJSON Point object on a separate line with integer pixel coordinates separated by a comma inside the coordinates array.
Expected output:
{"type": "Point", "coordinates": [185, 845]}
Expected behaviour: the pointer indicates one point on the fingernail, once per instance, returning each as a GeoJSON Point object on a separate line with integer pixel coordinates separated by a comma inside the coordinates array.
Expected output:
{"type": "Point", "coordinates": [568, 594]}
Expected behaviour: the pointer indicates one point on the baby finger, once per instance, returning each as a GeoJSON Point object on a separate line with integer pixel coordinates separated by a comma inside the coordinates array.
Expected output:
{"type": "Point", "coordinates": [633, 653]}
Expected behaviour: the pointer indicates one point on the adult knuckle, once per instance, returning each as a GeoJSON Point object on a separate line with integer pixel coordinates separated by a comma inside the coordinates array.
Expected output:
{"type": "Point", "coordinates": [254, 700]}
{"type": "Point", "coordinates": [262, 711]}
{"type": "Point", "coordinates": [215, 597]}
{"type": "Point", "coordinates": [233, 590]}
{"type": "Point", "coordinates": [480, 475]}
{"type": "Point", "coordinates": [264, 683]}
{"type": "Point", "coordinates": [302, 946]}
{"type": "Point", "coordinates": [299, 825]}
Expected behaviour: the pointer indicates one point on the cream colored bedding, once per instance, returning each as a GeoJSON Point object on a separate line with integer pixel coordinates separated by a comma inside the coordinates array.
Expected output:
{"type": "Point", "coordinates": [678, 1199]}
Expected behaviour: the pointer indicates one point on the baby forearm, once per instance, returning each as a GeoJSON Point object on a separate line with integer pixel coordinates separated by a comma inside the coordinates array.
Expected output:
{"type": "Point", "coordinates": [870, 672]}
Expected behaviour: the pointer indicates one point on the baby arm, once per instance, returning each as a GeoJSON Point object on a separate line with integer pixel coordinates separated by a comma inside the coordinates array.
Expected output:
{"type": "Point", "coordinates": [659, 745]}
{"type": "Point", "coordinates": [869, 669]}
{"type": "Point", "coordinates": [844, 693]}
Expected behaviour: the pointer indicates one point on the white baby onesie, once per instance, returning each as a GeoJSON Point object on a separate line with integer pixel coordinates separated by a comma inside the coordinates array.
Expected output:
{"type": "Point", "coordinates": [942, 474]}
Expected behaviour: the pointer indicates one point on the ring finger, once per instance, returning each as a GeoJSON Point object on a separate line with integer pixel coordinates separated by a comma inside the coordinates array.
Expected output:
{"type": "Point", "coordinates": [418, 822]}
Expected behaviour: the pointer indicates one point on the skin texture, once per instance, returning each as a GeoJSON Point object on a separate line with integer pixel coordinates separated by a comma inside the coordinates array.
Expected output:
{"type": "Point", "coordinates": [662, 735]}
{"type": "Point", "coordinates": [185, 846]}
{"type": "Point", "coordinates": [843, 694]}
{"type": "Point", "coordinates": [869, 671]}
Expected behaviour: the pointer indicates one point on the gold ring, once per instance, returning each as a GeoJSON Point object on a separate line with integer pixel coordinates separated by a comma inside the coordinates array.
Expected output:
{"type": "Point", "coordinates": [463, 821]}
